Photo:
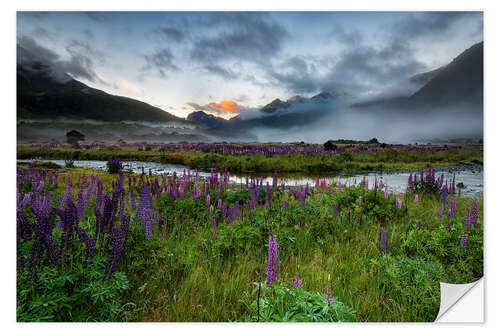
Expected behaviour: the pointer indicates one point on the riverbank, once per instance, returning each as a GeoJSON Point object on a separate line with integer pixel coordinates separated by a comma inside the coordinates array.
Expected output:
{"type": "Point", "coordinates": [469, 176]}
{"type": "Point", "coordinates": [264, 158]}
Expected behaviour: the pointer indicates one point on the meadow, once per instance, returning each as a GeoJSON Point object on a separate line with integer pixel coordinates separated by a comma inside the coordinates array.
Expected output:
{"type": "Point", "coordinates": [287, 158]}
{"type": "Point", "coordinates": [116, 246]}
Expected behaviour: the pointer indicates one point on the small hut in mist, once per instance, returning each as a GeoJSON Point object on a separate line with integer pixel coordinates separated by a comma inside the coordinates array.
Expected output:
{"type": "Point", "coordinates": [74, 136]}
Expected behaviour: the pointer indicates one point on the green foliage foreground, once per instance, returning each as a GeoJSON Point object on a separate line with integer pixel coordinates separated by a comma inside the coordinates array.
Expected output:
{"type": "Point", "coordinates": [185, 273]}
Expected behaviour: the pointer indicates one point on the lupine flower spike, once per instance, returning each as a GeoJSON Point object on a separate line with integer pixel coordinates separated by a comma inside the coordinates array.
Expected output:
{"type": "Point", "coordinates": [329, 298]}
{"type": "Point", "coordinates": [272, 260]}
{"type": "Point", "coordinates": [297, 282]}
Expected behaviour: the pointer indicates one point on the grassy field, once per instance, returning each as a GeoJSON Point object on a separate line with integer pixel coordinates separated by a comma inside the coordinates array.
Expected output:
{"type": "Point", "coordinates": [382, 159]}
{"type": "Point", "coordinates": [189, 271]}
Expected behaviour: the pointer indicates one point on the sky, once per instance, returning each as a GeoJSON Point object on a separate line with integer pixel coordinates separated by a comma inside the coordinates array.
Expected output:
{"type": "Point", "coordinates": [227, 62]}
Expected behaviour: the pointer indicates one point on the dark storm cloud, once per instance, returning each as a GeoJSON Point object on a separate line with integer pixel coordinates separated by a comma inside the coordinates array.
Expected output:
{"type": "Point", "coordinates": [172, 34]}
{"type": "Point", "coordinates": [225, 73]}
{"type": "Point", "coordinates": [29, 51]}
{"type": "Point", "coordinates": [40, 32]}
{"type": "Point", "coordinates": [99, 17]}
{"type": "Point", "coordinates": [216, 42]}
{"type": "Point", "coordinates": [79, 65]}
{"type": "Point", "coordinates": [296, 75]}
{"type": "Point", "coordinates": [244, 36]}
{"type": "Point", "coordinates": [346, 37]}
{"type": "Point", "coordinates": [366, 68]}
{"type": "Point", "coordinates": [88, 33]}
{"type": "Point", "coordinates": [435, 24]}
{"type": "Point", "coordinates": [162, 61]}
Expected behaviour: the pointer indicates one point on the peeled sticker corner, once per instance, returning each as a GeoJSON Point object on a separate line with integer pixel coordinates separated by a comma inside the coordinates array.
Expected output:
{"type": "Point", "coordinates": [462, 303]}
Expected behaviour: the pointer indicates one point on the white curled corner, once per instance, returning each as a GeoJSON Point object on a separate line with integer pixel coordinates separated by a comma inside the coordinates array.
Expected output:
{"type": "Point", "coordinates": [462, 303]}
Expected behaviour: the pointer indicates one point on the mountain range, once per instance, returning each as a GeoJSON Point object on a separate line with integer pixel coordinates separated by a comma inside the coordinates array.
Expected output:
{"type": "Point", "coordinates": [43, 95]}
{"type": "Point", "coordinates": [458, 83]}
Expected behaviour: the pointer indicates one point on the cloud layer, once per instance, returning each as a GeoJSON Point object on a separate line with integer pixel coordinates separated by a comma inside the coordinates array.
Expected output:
{"type": "Point", "coordinates": [248, 57]}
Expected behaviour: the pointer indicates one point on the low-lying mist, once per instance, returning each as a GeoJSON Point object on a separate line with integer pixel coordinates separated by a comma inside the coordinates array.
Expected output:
{"type": "Point", "coordinates": [308, 122]}
{"type": "Point", "coordinates": [423, 124]}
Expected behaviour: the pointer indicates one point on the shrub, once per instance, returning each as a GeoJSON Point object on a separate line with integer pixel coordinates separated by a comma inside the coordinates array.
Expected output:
{"type": "Point", "coordinates": [114, 165]}
{"type": "Point", "coordinates": [463, 265]}
{"type": "Point", "coordinates": [412, 283]}
{"type": "Point", "coordinates": [329, 145]}
{"type": "Point", "coordinates": [282, 304]}
{"type": "Point", "coordinates": [69, 164]}
{"type": "Point", "coordinates": [77, 294]}
{"type": "Point", "coordinates": [424, 187]}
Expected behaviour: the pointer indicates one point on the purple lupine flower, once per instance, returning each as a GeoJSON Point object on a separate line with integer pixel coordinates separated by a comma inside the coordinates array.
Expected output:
{"type": "Point", "coordinates": [84, 182]}
{"type": "Point", "coordinates": [468, 221]}
{"type": "Point", "coordinates": [453, 208]}
{"type": "Point", "coordinates": [80, 206]}
{"type": "Point", "coordinates": [386, 193]}
{"type": "Point", "coordinates": [443, 196]}
{"type": "Point", "coordinates": [89, 244]}
{"type": "Point", "coordinates": [224, 210]}
{"type": "Point", "coordinates": [272, 260]}
{"type": "Point", "coordinates": [383, 240]}
{"type": "Point", "coordinates": [116, 253]}
{"type": "Point", "coordinates": [147, 225]}
{"type": "Point", "coordinates": [398, 203]}
{"type": "Point", "coordinates": [214, 227]}
{"type": "Point", "coordinates": [237, 210]}
{"type": "Point", "coordinates": [267, 203]}
{"type": "Point", "coordinates": [231, 215]}
{"type": "Point", "coordinates": [360, 199]}
{"type": "Point", "coordinates": [23, 226]}
{"type": "Point", "coordinates": [285, 204]}
{"type": "Point", "coordinates": [219, 204]}
{"type": "Point", "coordinates": [440, 212]}
{"type": "Point", "coordinates": [211, 209]}
{"type": "Point", "coordinates": [68, 195]}
{"type": "Point", "coordinates": [90, 190]}
{"type": "Point", "coordinates": [419, 225]}
{"type": "Point", "coordinates": [340, 187]}
{"type": "Point", "coordinates": [336, 210]}
{"type": "Point", "coordinates": [474, 212]}
{"type": "Point", "coordinates": [297, 282]}
{"type": "Point", "coordinates": [208, 199]}
{"type": "Point", "coordinates": [463, 241]}
{"type": "Point", "coordinates": [26, 199]}
{"type": "Point", "coordinates": [328, 295]}
{"type": "Point", "coordinates": [50, 245]}
{"type": "Point", "coordinates": [416, 199]}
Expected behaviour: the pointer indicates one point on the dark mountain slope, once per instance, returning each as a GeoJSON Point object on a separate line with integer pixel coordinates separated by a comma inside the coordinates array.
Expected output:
{"type": "Point", "coordinates": [41, 96]}
{"type": "Point", "coordinates": [460, 81]}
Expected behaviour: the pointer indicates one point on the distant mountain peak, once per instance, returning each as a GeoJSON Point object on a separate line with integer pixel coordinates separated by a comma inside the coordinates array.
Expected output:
{"type": "Point", "coordinates": [275, 105]}
{"type": "Point", "coordinates": [206, 120]}
{"type": "Point", "coordinates": [324, 95]}
{"type": "Point", "coordinates": [296, 99]}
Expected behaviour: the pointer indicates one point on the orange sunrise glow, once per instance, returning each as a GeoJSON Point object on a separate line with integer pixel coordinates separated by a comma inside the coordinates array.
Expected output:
{"type": "Point", "coordinates": [226, 105]}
